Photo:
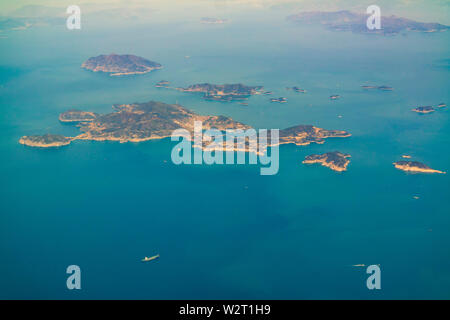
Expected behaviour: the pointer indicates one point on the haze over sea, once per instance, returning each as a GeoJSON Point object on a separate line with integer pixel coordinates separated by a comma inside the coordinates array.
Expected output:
{"type": "Point", "coordinates": [226, 232]}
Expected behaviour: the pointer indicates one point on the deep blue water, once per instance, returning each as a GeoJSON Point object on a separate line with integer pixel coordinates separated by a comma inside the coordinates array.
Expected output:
{"type": "Point", "coordinates": [225, 231]}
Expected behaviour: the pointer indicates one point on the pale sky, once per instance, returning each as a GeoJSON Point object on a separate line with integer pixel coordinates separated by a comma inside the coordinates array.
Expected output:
{"type": "Point", "coordinates": [421, 10]}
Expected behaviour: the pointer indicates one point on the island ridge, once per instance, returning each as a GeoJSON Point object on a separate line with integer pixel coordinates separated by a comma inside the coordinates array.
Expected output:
{"type": "Point", "coordinates": [156, 120]}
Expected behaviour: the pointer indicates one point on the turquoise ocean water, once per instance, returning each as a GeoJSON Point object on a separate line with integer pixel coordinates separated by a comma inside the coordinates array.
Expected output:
{"type": "Point", "coordinates": [225, 231]}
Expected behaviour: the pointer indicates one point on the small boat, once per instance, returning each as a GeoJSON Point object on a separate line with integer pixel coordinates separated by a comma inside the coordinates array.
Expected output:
{"type": "Point", "coordinates": [358, 265]}
{"type": "Point", "coordinates": [147, 259]}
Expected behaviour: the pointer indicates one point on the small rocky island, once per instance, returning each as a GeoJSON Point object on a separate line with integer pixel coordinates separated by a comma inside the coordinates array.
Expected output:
{"type": "Point", "coordinates": [119, 65]}
{"type": "Point", "coordinates": [415, 166]}
{"type": "Point", "coordinates": [156, 120]}
{"type": "Point", "coordinates": [224, 92]}
{"type": "Point", "coordinates": [335, 160]}
{"type": "Point", "coordinates": [45, 141]}
{"type": "Point", "coordinates": [77, 116]}
{"type": "Point", "coordinates": [424, 110]}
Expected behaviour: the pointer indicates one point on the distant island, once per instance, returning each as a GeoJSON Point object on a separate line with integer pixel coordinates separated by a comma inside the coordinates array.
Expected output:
{"type": "Point", "coordinates": [382, 88]}
{"type": "Point", "coordinates": [31, 16]}
{"type": "Point", "coordinates": [280, 100]}
{"type": "Point", "coordinates": [385, 88]}
{"type": "Point", "coordinates": [415, 166]}
{"type": "Point", "coordinates": [423, 110]}
{"type": "Point", "coordinates": [296, 89]}
{"type": "Point", "coordinates": [206, 20]}
{"type": "Point", "coordinates": [356, 22]}
{"type": "Point", "coordinates": [119, 65]}
{"type": "Point", "coordinates": [14, 24]}
{"type": "Point", "coordinates": [335, 160]}
{"type": "Point", "coordinates": [156, 120]}
{"type": "Point", "coordinates": [429, 109]}
{"type": "Point", "coordinates": [224, 92]}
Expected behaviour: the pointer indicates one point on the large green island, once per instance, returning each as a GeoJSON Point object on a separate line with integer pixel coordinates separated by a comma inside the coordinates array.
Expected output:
{"type": "Point", "coordinates": [156, 120]}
